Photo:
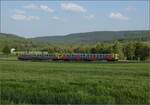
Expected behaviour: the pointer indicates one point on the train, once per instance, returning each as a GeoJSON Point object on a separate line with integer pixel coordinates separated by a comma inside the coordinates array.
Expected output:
{"type": "Point", "coordinates": [69, 57]}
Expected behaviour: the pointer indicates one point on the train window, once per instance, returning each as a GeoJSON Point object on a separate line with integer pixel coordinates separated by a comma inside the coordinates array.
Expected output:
{"type": "Point", "coordinates": [82, 55]}
{"type": "Point", "coordinates": [102, 56]}
{"type": "Point", "coordinates": [98, 56]}
{"type": "Point", "coordinates": [87, 55]}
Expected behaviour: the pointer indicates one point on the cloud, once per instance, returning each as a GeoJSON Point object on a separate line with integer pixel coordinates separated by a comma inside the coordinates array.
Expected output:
{"type": "Point", "coordinates": [89, 17]}
{"type": "Point", "coordinates": [55, 18]}
{"type": "Point", "coordinates": [31, 7]}
{"type": "Point", "coordinates": [118, 16]}
{"type": "Point", "coordinates": [130, 8]}
{"type": "Point", "coordinates": [19, 11]}
{"type": "Point", "coordinates": [44, 8]}
{"type": "Point", "coordinates": [24, 17]}
{"type": "Point", "coordinates": [72, 7]}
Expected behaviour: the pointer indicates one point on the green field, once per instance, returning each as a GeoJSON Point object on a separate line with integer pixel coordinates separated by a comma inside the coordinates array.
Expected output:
{"type": "Point", "coordinates": [74, 83]}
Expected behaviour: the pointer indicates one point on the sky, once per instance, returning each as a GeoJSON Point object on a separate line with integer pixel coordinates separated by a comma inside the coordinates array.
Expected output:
{"type": "Point", "coordinates": [50, 18]}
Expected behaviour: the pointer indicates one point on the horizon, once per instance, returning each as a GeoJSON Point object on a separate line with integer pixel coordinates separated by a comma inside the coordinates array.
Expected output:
{"type": "Point", "coordinates": [31, 19]}
{"type": "Point", "coordinates": [71, 33]}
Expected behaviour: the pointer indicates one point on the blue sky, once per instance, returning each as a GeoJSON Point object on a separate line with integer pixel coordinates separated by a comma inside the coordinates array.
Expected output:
{"type": "Point", "coordinates": [49, 18]}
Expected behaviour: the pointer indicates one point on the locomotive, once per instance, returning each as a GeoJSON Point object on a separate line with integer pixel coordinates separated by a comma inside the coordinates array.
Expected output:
{"type": "Point", "coordinates": [69, 57]}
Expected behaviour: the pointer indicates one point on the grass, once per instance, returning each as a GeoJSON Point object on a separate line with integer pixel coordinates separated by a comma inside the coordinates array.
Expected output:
{"type": "Point", "coordinates": [74, 83]}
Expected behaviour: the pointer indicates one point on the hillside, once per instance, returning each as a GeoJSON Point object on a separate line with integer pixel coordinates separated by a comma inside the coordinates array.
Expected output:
{"type": "Point", "coordinates": [98, 36]}
{"type": "Point", "coordinates": [15, 41]}
{"type": "Point", "coordinates": [76, 39]}
{"type": "Point", "coordinates": [11, 39]}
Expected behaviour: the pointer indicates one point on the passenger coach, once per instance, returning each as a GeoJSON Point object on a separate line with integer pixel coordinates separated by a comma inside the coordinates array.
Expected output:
{"type": "Point", "coordinates": [70, 57]}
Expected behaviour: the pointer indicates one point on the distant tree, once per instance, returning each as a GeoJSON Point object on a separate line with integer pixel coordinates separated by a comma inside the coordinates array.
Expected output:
{"type": "Point", "coordinates": [129, 51]}
{"type": "Point", "coordinates": [80, 50]}
{"type": "Point", "coordinates": [70, 49]}
{"type": "Point", "coordinates": [142, 51]}
{"type": "Point", "coordinates": [118, 49]}
{"type": "Point", "coordinates": [100, 48]}
{"type": "Point", "coordinates": [6, 50]}
{"type": "Point", "coordinates": [93, 50]}
{"type": "Point", "coordinates": [87, 49]}
{"type": "Point", "coordinates": [76, 50]}
{"type": "Point", "coordinates": [51, 50]}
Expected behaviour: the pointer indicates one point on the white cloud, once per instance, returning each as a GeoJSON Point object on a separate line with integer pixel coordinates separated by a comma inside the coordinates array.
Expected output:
{"type": "Point", "coordinates": [19, 11]}
{"type": "Point", "coordinates": [31, 7]}
{"type": "Point", "coordinates": [24, 17]}
{"type": "Point", "coordinates": [89, 17]}
{"type": "Point", "coordinates": [55, 18]}
{"type": "Point", "coordinates": [72, 7]}
{"type": "Point", "coordinates": [118, 16]}
{"type": "Point", "coordinates": [130, 8]}
{"type": "Point", "coordinates": [44, 8]}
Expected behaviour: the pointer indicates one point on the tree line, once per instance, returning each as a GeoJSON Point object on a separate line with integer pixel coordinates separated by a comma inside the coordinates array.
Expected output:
{"type": "Point", "coordinates": [127, 51]}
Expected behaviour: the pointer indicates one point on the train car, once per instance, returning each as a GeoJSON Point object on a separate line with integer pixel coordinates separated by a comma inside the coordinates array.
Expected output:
{"type": "Point", "coordinates": [70, 57]}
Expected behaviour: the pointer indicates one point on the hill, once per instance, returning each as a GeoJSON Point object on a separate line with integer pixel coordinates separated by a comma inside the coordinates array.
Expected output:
{"type": "Point", "coordinates": [93, 37]}
{"type": "Point", "coordinates": [15, 41]}
{"type": "Point", "coordinates": [72, 39]}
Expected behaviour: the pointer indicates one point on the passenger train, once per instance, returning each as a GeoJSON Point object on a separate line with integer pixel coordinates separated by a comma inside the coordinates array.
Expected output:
{"type": "Point", "coordinates": [69, 57]}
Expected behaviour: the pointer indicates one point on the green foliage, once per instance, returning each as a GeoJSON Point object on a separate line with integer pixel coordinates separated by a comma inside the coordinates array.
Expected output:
{"type": "Point", "coordinates": [116, 47]}
{"type": "Point", "coordinates": [129, 51]}
{"type": "Point", "coordinates": [137, 51]}
{"type": "Point", "coordinates": [74, 83]}
{"type": "Point", "coordinates": [6, 50]}
{"type": "Point", "coordinates": [103, 48]}
{"type": "Point", "coordinates": [142, 51]}
{"type": "Point", "coordinates": [91, 42]}
{"type": "Point", "coordinates": [93, 50]}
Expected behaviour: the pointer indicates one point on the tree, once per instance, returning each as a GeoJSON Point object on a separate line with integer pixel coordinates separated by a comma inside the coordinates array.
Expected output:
{"type": "Point", "coordinates": [129, 51]}
{"type": "Point", "coordinates": [142, 51]}
{"type": "Point", "coordinates": [6, 50]}
{"type": "Point", "coordinates": [101, 48]}
{"type": "Point", "coordinates": [117, 49]}
{"type": "Point", "coordinates": [51, 50]}
{"type": "Point", "coordinates": [93, 50]}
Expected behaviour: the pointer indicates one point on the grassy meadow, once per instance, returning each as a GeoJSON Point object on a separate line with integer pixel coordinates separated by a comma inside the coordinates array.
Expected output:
{"type": "Point", "coordinates": [74, 83]}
